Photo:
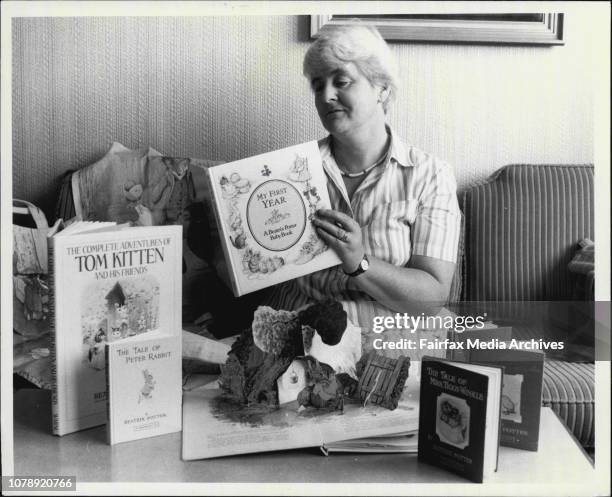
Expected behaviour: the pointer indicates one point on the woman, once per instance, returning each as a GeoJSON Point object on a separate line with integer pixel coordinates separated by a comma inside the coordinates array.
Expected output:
{"type": "Point", "coordinates": [395, 219]}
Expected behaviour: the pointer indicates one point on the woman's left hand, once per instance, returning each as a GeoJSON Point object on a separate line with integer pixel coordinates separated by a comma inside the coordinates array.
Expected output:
{"type": "Point", "coordinates": [343, 234]}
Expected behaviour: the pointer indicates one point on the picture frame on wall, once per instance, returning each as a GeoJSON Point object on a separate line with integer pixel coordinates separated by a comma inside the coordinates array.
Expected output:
{"type": "Point", "coordinates": [515, 28]}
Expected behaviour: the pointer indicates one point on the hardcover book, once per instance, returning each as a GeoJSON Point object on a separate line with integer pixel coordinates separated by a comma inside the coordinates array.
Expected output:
{"type": "Point", "coordinates": [144, 384]}
{"type": "Point", "coordinates": [473, 338]}
{"type": "Point", "coordinates": [107, 282]}
{"type": "Point", "coordinates": [264, 206]}
{"type": "Point", "coordinates": [459, 417]}
{"type": "Point", "coordinates": [521, 393]}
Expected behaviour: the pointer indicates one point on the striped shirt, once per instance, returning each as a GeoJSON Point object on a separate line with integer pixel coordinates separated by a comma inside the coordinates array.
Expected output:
{"type": "Point", "coordinates": [407, 206]}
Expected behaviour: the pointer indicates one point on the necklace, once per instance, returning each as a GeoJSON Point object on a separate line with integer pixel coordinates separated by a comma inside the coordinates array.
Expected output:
{"type": "Point", "coordinates": [361, 174]}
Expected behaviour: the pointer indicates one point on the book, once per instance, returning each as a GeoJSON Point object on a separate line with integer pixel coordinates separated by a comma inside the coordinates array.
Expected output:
{"type": "Point", "coordinates": [214, 426]}
{"type": "Point", "coordinates": [107, 282]}
{"type": "Point", "coordinates": [144, 382]}
{"type": "Point", "coordinates": [474, 337]}
{"type": "Point", "coordinates": [521, 392]}
{"type": "Point", "coordinates": [459, 417]}
{"type": "Point", "coordinates": [264, 207]}
{"type": "Point", "coordinates": [388, 444]}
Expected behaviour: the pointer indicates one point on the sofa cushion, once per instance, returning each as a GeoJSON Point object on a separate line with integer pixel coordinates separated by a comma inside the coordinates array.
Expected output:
{"type": "Point", "coordinates": [522, 227]}
{"type": "Point", "coordinates": [569, 389]}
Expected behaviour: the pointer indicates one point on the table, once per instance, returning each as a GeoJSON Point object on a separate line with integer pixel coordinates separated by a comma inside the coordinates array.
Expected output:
{"type": "Point", "coordinates": [86, 455]}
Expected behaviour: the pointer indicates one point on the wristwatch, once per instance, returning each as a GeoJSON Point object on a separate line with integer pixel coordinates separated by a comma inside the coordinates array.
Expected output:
{"type": "Point", "coordinates": [362, 268]}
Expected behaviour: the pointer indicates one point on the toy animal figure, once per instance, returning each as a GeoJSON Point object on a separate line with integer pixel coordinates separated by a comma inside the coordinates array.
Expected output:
{"type": "Point", "coordinates": [183, 194]}
{"type": "Point", "coordinates": [132, 191]}
{"type": "Point", "coordinates": [146, 392]}
{"type": "Point", "coordinates": [145, 218]}
{"type": "Point", "coordinates": [158, 185]}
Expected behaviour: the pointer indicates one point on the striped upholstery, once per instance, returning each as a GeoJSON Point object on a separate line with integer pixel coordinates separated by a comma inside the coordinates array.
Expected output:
{"type": "Point", "coordinates": [569, 389]}
{"type": "Point", "coordinates": [522, 230]}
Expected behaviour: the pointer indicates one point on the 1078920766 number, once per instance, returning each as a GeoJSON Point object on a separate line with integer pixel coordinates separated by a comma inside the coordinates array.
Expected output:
{"type": "Point", "coordinates": [25, 483]}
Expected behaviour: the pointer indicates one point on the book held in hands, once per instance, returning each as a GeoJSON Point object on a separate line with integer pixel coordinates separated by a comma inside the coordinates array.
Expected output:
{"type": "Point", "coordinates": [108, 282]}
{"type": "Point", "coordinates": [459, 415]}
{"type": "Point", "coordinates": [264, 206]}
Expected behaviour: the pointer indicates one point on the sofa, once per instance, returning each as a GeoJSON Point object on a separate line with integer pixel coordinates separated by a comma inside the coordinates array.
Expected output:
{"type": "Point", "coordinates": [523, 227]}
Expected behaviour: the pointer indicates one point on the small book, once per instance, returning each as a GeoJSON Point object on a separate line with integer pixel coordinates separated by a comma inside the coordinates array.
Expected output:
{"type": "Point", "coordinates": [106, 282]}
{"type": "Point", "coordinates": [144, 383]}
{"type": "Point", "coordinates": [521, 392]}
{"type": "Point", "coordinates": [459, 416]}
{"type": "Point", "coordinates": [264, 207]}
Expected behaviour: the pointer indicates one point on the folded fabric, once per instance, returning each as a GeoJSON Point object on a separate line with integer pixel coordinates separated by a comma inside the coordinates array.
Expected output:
{"type": "Point", "coordinates": [145, 188]}
{"type": "Point", "coordinates": [583, 265]}
{"type": "Point", "coordinates": [583, 261]}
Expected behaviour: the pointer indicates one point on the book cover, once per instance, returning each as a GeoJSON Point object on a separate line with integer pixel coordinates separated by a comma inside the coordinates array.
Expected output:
{"type": "Point", "coordinates": [521, 393]}
{"type": "Point", "coordinates": [459, 418]}
{"type": "Point", "coordinates": [264, 206]}
{"type": "Point", "coordinates": [105, 285]}
{"type": "Point", "coordinates": [144, 384]}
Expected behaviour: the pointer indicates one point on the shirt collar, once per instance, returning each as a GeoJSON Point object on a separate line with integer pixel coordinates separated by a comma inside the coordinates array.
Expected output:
{"type": "Point", "coordinates": [398, 152]}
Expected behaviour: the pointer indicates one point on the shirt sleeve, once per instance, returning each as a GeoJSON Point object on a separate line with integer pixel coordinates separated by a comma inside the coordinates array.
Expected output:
{"type": "Point", "coordinates": [435, 232]}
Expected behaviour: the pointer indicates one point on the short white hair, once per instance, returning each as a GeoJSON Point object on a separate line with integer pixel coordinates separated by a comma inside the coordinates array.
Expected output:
{"type": "Point", "coordinates": [360, 44]}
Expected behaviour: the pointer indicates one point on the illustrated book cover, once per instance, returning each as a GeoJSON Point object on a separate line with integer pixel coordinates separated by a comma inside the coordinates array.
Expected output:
{"type": "Point", "coordinates": [521, 400]}
{"type": "Point", "coordinates": [264, 206]}
{"type": "Point", "coordinates": [459, 417]}
{"type": "Point", "coordinates": [144, 383]}
{"type": "Point", "coordinates": [107, 282]}
{"type": "Point", "coordinates": [214, 426]}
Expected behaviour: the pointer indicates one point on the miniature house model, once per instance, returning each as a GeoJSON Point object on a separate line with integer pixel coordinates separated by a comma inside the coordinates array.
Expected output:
{"type": "Point", "coordinates": [115, 300]}
{"type": "Point", "coordinates": [291, 382]}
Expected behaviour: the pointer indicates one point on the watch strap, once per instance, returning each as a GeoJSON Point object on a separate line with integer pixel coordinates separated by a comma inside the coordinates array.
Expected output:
{"type": "Point", "coordinates": [361, 268]}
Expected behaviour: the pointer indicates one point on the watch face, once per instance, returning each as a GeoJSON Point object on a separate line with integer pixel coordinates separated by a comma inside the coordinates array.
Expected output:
{"type": "Point", "coordinates": [364, 265]}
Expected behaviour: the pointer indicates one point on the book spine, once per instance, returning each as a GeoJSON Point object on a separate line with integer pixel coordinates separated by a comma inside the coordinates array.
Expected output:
{"type": "Point", "coordinates": [109, 425]}
{"type": "Point", "coordinates": [53, 337]}
{"type": "Point", "coordinates": [231, 273]}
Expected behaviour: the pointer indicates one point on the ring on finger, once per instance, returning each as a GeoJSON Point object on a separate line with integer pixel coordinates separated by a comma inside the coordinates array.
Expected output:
{"type": "Point", "coordinates": [342, 235]}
